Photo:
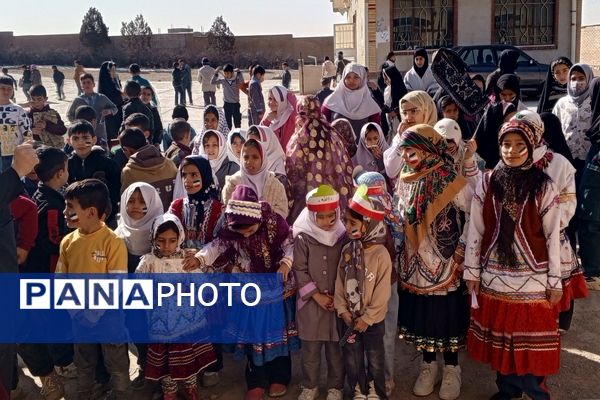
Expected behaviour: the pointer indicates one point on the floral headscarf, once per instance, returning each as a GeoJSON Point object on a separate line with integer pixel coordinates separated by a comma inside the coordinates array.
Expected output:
{"type": "Point", "coordinates": [432, 185]}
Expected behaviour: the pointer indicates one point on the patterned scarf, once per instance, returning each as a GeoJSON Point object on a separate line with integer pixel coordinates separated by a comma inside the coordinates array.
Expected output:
{"type": "Point", "coordinates": [432, 185]}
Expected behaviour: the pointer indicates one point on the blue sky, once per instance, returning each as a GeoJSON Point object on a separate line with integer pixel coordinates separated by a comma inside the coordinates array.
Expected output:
{"type": "Point", "coordinates": [244, 17]}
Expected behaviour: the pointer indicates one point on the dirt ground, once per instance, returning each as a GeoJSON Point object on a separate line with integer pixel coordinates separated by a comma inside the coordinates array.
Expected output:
{"type": "Point", "coordinates": [580, 358]}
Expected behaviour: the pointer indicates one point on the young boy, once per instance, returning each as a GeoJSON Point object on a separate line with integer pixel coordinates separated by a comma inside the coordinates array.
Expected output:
{"type": "Point", "coordinates": [286, 76]}
{"type": "Point", "coordinates": [135, 71]}
{"type": "Point", "coordinates": [90, 161]}
{"type": "Point", "coordinates": [99, 102]}
{"type": "Point", "coordinates": [77, 73]}
{"type": "Point", "coordinates": [256, 99]}
{"type": "Point", "coordinates": [46, 123]}
{"type": "Point", "coordinates": [59, 79]}
{"type": "Point", "coordinates": [14, 81]}
{"type": "Point", "coordinates": [325, 90]}
{"type": "Point", "coordinates": [180, 147]}
{"type": "Point", "coordinates": [146, 164]}
{"type": "Point", "coordinates": [14, 123]}
{"type": "Point", "coordinates": [231, 93]}
{"type": "Point", "coordinates": [205, 74]}
{"type": "Point", "coordinates": [135, 105]}
{"type": "Point", "coordinates": [362, 292]}
{"type": "Point", "coordinates": [94, 248]}
{"type": "Point", "coordinates": [43, 359]}
{"type": "Point", "coordinates": [137, 120]}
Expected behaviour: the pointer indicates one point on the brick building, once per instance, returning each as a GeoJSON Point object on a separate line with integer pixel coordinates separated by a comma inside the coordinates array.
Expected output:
{"type": "Point", "coordinates": [545, 29]}
{"type": "Point", "coordinates": [590, 47]}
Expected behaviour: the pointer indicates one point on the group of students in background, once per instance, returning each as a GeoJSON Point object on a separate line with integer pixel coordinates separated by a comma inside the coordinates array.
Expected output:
{"type": "Point", "coordinates": [389, 211]}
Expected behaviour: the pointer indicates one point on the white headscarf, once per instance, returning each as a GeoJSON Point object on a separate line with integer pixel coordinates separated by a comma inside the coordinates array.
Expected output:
{"type": "Point", "coordinates": [137, 233]}
{"type": "Point", "coordinates": [222, 127]}
{"type": "Point", "coordinates": [161, 220]}
{"type": "Point", "coordinates": [363, 156]}
{"type": "Point", "coordinates": [257, 181]}
{"type": "Point", "coordinates": [285, 108]}
{"type": "Point", "coordinates": [450, 130]}
{"type": "Point", "coordinates": [272, 149]}
{"type": "Point", "coordinates": [307, 223]}
{"type": "Point", "coordinates": [353, 104]}
{"type": "Point", "coordinates": [233, 134]}
{"type": "Point", "coordinates": [217, 163]}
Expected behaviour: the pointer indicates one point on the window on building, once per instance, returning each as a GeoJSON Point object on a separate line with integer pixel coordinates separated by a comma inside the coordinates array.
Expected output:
{"type": "Point", "coordinates": [521, 23]}
{"type": "Point", "coordinates": [343, 36]}
{"type": "Point", "coordinates": [422, 23]}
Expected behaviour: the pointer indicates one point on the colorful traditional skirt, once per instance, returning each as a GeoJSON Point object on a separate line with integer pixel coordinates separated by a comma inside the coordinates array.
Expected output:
{"type": "Point", "coordinates": [434, 323]}
{"type": "Point", "coordinates": [179, 361]}
{"type": "Point", "coordinates": [262, 353]}
{"type": "Point", "coordinates": [515, 337]}
{"type": "Point", "coordinates": [573, 281]}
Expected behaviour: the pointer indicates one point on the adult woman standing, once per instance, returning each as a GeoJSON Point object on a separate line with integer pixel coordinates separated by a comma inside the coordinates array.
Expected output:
{"type": "Point", "coordinates": [110, 86]}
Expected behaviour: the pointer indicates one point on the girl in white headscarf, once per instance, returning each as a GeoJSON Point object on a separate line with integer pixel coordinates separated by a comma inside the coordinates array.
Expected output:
{"type": "Point", "coordinates": [282, 118]}
{"type": "Point", "coordinates": [352, 99]}
{"type": "Point", "coordinates": [235, 140]}
{"type": "Point", "coordinates": [140, 205]}
{"type": "Point", "coordinates": [214, 148]}
{"type": "Point", "coordinates": [274, 153]}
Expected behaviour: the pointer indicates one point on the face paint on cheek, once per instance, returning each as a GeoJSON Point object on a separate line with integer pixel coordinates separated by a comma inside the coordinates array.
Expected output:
{"type": "Point", "coordinates": [73, 217]}
{"type": "Point", "coordinates": [413, 157]}
{"type": "Point", "coordinates": [523, 152]}
{"type": "Point", "coordinates": [197, 183]}
{"type": "Point", "coordinates": [88, 143]}
{"type": "Point", "coordinates": [145, 210]}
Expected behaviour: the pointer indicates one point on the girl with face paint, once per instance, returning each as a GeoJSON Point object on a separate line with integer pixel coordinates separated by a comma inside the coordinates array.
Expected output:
{"type": "Point", "coordinates": [172, 364]}
{"type": "Point", "coordinates": [575, 114]}
{"type": "Point", "coordinates": [200, 209]}
{"type": "Point", "coordinates": [256, 239]}
{"type": "Point", "coordinates": [434, 201]}
{"type": "Point", "coordinates": [513, 267]}
{"type": "Point", "coordinates": [318, 238]}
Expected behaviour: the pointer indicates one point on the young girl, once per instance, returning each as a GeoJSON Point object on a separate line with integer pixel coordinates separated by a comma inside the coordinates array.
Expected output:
{"type": "Point", "coordinates": [171, 363]}
{"type": "Point", "coordinates": [371, 146]}
{"type": "Point", "coordinates": [140, 205]}
{"type": "Point", "coordinates": [562, 173]}
{"type": "Point", "coordinates": [509, 93]}
{"type": "Point", "coordinates": [512, 269]}
{"type": "Point", "coordinates": [352, 99]}
{"type": "Point", "coordinates": [318, 239]}
{"type": "Point", "coordinates": [257, 240]}
{"type": "Point", "coordinates": [420, 77]}
{"type": "Point", "coordinates": [200, 210]}
{"type": "Point", "coordinates": [235, 140]}
{"type": "Point", "coordinates": [575, 113]}
{"type": "Point", "coordinates": [214, 119]}
{"type": "Point", "coordinates": [556, 84]}
{"type": "Point", "coordinates": [316, 156]}
{"type": "Point", "coordinates": [282, 118]}
{"type": "Point", "coordinates": [274, 153]}
{"type": "Point", "coordinates": [254, 173]}
{"type": "Point", "coordinates": [462, 152]}
{"type": "Point", "coordinates": [362, 291]}
{"type": "Point", "coordinates": [214, 149]}
{"type": "Point", "coordinates": [433, 201]}
{"type": "Point", "coordinates": [416, 107]}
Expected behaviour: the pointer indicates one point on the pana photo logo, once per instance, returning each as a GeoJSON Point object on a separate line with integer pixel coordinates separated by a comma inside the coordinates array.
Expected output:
{"type": "Point", "coordinates": [132, 294]}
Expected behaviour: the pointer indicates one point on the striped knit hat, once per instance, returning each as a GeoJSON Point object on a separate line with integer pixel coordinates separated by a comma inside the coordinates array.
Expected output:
{"type": "Point", "coordinates": [324, 198]}
{"type": "Point", "coordinates": [362, 204]}
{"type": "Point", "coordinates": [243, 208]}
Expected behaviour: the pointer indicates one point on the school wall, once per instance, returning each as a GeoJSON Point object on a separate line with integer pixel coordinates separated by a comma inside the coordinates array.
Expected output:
{"type": "Point", "coordinates": [590, 47]}
{"type": "Point", "coordinates": [63, 49]}
{"type": "Point", "coordinates": [473, 26]}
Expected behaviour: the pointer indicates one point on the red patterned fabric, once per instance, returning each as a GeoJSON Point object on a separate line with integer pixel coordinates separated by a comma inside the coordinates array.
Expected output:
{"type": "Point", "coordinates": [179, 361]}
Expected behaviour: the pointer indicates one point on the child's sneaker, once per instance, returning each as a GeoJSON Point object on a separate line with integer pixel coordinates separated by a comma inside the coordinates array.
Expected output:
{"type": "Point", "coordinates": [52, 387]}
{"type": "Point", "coordinates": [358, 395]}
{"type": "Point", "coordinates": [335, 394]}
{"type": "Point", "coordinates": [427, 379]}
{"type": "Point", "coordinates": [255, 394]}
{"type": "Point", "coordinates": [372, 392]}
{"type": "Point", "coordinates": [309, 394]}
{"type": "Point", "coordinates": [277, 390]}
{"type": "Point", "coordinates": [68, 372]}
{"type": "Point", "coordinates": [450, 389]}
{"type": "Point", "coordinates": [210, 379]}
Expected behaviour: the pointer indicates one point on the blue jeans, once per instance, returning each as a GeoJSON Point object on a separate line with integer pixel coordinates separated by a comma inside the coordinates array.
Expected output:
{"type": "Point", "coordinates": [179, 95]}
{"type": "Point", "coordinates": [391, 332]}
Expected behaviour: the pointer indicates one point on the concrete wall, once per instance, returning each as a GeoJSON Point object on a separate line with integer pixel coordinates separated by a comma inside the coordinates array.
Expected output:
{"type": "Point", "coordinates": [165, 47]}
{"type": "Point", "coordinates": [590, 47]}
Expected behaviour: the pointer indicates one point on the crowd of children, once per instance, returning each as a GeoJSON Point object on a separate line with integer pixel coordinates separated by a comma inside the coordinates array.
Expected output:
{"type": "Point", "coordinates": [383, 221]}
